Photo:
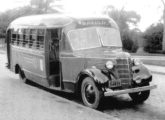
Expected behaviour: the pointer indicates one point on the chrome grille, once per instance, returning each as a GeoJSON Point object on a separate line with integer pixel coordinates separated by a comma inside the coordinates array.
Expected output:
{"type": "Point", "coordinates": [123, 72]}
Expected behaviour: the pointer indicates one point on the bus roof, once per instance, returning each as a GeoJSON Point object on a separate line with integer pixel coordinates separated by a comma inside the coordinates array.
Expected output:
{"type": "Point", "coordinates": [52, 20]}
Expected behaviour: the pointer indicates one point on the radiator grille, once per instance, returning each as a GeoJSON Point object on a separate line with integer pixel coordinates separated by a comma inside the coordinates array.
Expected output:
{"type": "Point", "coordinates": [123, 72]}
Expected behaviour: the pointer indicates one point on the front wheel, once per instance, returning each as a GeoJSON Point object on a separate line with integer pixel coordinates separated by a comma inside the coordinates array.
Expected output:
{"type": "Point", "coordinates": [140, 97]}
{"type": "Point", "coordinates": [90, 93]}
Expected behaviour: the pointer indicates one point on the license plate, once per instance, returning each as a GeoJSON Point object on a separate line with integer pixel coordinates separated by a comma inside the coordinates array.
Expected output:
{"type": "Point", "coordinates": [115, 83]}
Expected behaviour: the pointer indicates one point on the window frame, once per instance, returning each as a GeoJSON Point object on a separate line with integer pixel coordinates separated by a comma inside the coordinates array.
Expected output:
{"type": "Point", "coordinates": [32, 38]}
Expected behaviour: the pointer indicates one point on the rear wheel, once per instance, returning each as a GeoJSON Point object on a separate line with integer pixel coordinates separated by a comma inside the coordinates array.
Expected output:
{"type": "Point", "coordinates": [90, 93]}
{"type": "Point", "coordinates": [22, 76]}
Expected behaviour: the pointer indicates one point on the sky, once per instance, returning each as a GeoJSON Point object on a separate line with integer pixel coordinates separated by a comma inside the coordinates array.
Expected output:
{"type": "Point", "coordinates": [149, 10]}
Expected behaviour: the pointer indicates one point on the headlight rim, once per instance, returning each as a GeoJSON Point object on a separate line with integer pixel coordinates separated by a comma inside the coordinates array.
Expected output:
{"type": "Point", "coordinates": [137, 62]}
{"type": "Point", "coordinates": [109, 65]}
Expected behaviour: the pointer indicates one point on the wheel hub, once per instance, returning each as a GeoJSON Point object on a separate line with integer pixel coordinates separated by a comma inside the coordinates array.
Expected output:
{"type": "Point", "coordinates": [90, 94]}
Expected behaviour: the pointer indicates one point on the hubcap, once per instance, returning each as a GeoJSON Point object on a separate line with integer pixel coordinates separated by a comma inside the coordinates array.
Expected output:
{"type": "Point", "coordinates": [90, 93]}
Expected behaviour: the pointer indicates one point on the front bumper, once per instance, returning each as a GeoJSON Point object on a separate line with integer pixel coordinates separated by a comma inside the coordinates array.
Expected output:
{"type": "Point", "coordinates": [131, 90]}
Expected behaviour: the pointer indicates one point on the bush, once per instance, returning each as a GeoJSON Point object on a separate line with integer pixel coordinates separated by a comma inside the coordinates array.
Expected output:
{"type": "Point", "coordinates": [154, 37]}
{"type": "Point", "coordinates": [129, 42]}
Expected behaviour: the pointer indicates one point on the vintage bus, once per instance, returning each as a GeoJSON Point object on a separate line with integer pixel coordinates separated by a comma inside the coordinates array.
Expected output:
{"type": "Point", "coordinates": [76, 54]}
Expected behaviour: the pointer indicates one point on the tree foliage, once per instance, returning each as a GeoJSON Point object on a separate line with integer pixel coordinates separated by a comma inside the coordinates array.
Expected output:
{"type": "Point", "coordinates": [154, 37]}
{"type": "Point", "coordinates": [124, 19]}
{"type": "Point", "coordinates": [41, 6]}
{"type": "Point", "coordinates": [130, 40]}
{"type": "Point", "coordinates": [7, 17]}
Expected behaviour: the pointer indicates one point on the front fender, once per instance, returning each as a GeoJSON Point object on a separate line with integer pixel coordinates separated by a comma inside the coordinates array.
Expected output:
{"type": "Point", "coordinates": [96, 74]}
{"type": "Point", "coordinates": [140, 72]}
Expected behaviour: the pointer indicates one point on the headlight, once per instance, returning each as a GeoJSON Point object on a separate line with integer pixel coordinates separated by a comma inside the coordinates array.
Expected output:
{"type": "Point", "coordinates": [137, 62]}
{"type": "Point", "coordinates": [109, 64]}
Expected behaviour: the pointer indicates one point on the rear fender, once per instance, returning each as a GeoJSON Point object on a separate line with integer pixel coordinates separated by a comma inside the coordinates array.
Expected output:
{"type": "Point", "coordinates": [140, 72]}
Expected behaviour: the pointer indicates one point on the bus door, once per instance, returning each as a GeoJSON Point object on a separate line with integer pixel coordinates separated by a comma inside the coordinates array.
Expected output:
{"type": "Point", "coordinates": [54, 61]}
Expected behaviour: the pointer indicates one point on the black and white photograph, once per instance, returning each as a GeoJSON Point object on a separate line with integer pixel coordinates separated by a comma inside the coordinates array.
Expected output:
{"type": "Point", "coordinates": [82, 60]}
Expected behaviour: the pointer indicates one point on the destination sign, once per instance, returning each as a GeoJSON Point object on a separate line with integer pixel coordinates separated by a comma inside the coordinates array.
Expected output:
{"type": "Point", "coordinates": [94, 23]}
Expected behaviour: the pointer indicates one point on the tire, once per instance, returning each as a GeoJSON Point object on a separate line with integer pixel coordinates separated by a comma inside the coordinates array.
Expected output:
{"type": "Point", "coordinates": [90, 94]}
{"type": "Point", "coordinates": [22, 76]}
{"type": "Point", "coordinates": [139, 97]}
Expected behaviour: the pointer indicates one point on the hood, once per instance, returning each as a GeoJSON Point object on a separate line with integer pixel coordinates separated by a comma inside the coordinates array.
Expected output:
{"type": "Point", "coordinates": [99, 56]}
{"type": "Point", "coordinates": [101, 53]}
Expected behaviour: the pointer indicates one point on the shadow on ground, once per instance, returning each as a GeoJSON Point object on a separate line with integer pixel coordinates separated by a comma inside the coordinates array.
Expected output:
{"type": "Point", "coordinates": [108, 103]}
{"type": "Point", "coordinates": [69, 96]}
{"type": "Point", "coordinates": [118, 103]}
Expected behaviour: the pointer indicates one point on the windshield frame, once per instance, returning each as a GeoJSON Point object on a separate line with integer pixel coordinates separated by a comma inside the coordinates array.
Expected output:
{"type": "Point", "coordinates": [98, 36]}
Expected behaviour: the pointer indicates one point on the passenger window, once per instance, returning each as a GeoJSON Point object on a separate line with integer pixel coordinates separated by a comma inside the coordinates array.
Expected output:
{"type": "Point", "coordinates": [27, 36]}
{"type": "Point", "coordinates": [40, 39]}
{"type": "Point", "coordinates": [33, 37]}
{"type": "Point", "coordinates": [23, 37]}
{"type": "Point", "coordinates": [14, 36]}
{"type": "Point", "coordinates": [20, 37]}
{"type": "Point", "coordinates": [30, 38]}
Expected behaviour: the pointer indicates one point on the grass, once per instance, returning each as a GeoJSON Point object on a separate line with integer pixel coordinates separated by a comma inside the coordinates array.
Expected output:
{"type": "Point", "coordinates": [147, 54]}
{"type": "Point", "coordinates": [154, 62]}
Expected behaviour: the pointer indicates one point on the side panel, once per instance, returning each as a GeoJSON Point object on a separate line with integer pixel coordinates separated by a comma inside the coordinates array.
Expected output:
{"type": "Point", "coordinates": [71, 67]}
{"type": "Point", "coordinates": [31, 61]}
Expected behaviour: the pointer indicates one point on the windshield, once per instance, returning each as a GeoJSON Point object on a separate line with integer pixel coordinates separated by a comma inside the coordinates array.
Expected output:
{"type": "Point", "coordinates": [87, 38]}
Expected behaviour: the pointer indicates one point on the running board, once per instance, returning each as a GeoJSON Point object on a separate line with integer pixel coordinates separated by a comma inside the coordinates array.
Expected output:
{"type": "Point", "coordinates": [131, 90]}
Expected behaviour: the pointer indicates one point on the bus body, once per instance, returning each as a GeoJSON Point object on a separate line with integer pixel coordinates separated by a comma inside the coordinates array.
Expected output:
{"type": "Point", "coordinates": [75, 54]}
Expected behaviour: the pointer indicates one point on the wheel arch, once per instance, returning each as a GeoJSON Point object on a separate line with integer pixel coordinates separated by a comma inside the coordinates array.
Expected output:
{"type": "Point", "coordinates": [80, 79]}
{"type": "Point", "coordinates": [95, 74]}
